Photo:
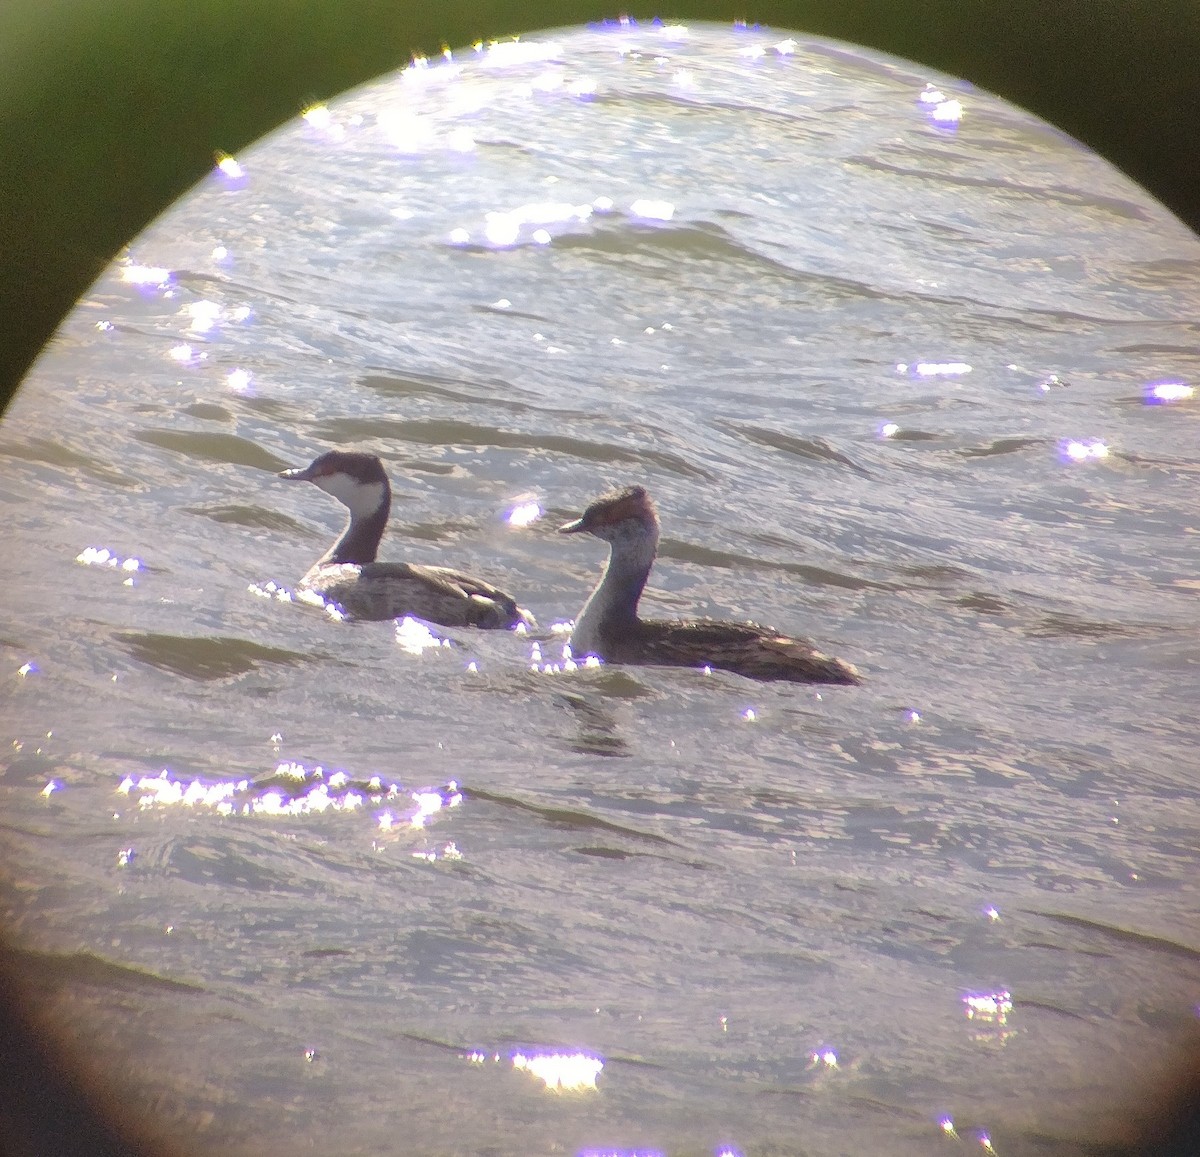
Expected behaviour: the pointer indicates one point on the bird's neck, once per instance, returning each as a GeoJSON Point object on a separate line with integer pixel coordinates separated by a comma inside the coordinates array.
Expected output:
{"type": "Point", "coordinates": [360, 540]}
{"type": "Point", "coordinates": [612, 607]}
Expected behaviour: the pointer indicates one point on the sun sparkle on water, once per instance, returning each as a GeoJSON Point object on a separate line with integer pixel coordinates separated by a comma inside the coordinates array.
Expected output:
{"type": "Point", "coordinates": [292, 789]}
{"type": "Point", "coordinates": [150, 276]}
{"type": "Point", "coordinates": [1075, 450]}
{"type": "Point", "coordinates": [318, 115]}
{"type": "Point", "coordinates": [651, 210]}
{"type": "Point", "coordinates": [524, 514]}
{"type": "Point", "coordinates": [561, 1072]}
{"type": "Point", "coordinates": [416, 638]}
{"type": "Point", "coordinates": [934, 369]}
{"type": "Point", "coordinates": [230, 167]}
{"type": "Point", "coordinates": [1159, 392]}
{"type": "Point", "coordinates": [990, 1007]}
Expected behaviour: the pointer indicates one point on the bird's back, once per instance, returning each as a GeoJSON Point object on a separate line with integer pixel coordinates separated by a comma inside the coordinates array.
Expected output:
{"type": "Point", "coordinates": [743, 648]}
{"type": "Point", "coordinates": [386, 590]}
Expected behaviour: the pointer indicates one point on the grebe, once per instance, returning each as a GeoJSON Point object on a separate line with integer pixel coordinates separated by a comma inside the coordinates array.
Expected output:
{"type": "Point", "coordinates": [609, 627]}
{"type": "Point", "coordinates": [348, 575]}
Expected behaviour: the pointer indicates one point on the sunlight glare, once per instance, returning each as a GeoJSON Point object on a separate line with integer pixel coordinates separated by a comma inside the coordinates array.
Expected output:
{"type": "Point", "coordinates": [429, 803]}
{"type": "Point", "coordinates": [186, 354]}
{"type": "Point", "coordinates": [941, 109]}
{"type": "Point", "coordinates": [272, 590]}
{"type": "Point", "coordinates": [524, 514]}
{"type": "Point", "coordinates": [102, 556]}
{"type": "Point", "coordinates": [934, 369]}
{"type": "Point", "coordinates": [318, 115]}
{"type": "Point", "coordinates": [416, 638]}
{"type": "Point", "coordinates": [448, 852]}
{"type": "Point", "coordinates": [147, 276]}
{"type": "Point", "coordinates": [501, 229]}
{"type": "Point", "coordinates": [303, 790]}
{"type": "Point", "coordinates": [1159, 392]}
{"type": "Point", "coordinates": [203, 315]}
{"type": "Point", "coordinates": [1052, 382]}
{"type": "Point", "coordinates": [230, 167]}
{"type": "Point", "coordinates": [650, 210]}
{"type": "Point", "coordinates": [621, 1153]}
{"type": "Point", "coordinates": [989, 1007]}
{"type": "Point", "coordinates": [506, 53]}
{"type": "Point", "coordinates": [1074, 450]}
{"type": "Point", "coordinates": [561, 1072]}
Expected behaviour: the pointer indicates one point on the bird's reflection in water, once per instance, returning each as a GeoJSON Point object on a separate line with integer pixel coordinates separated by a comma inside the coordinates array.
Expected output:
{"type": "Point", "coordinates": [598, 730]}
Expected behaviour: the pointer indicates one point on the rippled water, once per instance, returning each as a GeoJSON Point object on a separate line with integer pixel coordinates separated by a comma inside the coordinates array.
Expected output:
{"type": "Point", "coordinates": [887, 365]}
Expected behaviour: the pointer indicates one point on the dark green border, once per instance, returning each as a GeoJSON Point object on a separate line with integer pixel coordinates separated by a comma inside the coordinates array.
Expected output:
{"type": "Point", "coordinates": [109, 109]}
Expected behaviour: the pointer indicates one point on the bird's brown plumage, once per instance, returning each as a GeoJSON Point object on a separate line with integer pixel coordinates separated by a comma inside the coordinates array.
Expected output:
{"type": "Point", "coordinates": [610, 628]}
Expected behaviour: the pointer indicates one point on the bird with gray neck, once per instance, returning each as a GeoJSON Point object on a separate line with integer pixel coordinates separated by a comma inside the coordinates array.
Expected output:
{"type": "Point", "coordinates": [348, 576]}
{"type": "Point", "coordinates": [609, 627]}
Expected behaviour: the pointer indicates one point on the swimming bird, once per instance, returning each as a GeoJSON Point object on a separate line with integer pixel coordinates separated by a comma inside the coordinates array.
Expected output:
{"type": "Point", "coordinates": [348, 576]}
{"type": "Point", "coordinates": [609, 627]}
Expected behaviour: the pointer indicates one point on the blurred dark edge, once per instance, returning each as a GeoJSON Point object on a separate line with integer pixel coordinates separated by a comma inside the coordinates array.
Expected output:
{"type": "Point", "coordinates": [110, 109]}
{"type": "Point", "coordinates": [50, 1104]}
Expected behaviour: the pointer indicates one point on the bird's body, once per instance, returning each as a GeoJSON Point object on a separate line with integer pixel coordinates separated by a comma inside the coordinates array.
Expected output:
{"type": "Point", "coordinates": [390, 590]}
{"type": "Point", "coordinates": [609, 627]}
{"type": "Point", "coordinates": [349, 577]}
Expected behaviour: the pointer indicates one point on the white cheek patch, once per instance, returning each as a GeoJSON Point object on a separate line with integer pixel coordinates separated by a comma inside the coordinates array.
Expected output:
{"type": "Point", "coordinates": [363, 498]}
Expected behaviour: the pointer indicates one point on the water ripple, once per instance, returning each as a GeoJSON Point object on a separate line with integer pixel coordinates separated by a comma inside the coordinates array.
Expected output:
{"type": "Point", "coordinates": [814, 449]}
{"type": "Point", "coordinates": [443, 432]}
{"type": "Point", "coordinates": [498, 395]}
{"type": "Point", "coordinates": [1118, 207]}
{"type": "Point", "coordinates": [50, 453]}
{"type": "Point", "coordinates": [814, 575]}
{"type": "Point", "coordinates": [1002, 446]}
{"type": "Point", "coordinates": [565, 817]}
{"type": "Point", "coordinates": [213, 446]}
{"type": "Point", "coordinates": [253, 517]}
{"type": "Point", "coordinates": [204, 658]}
{"type": "Point", "coordinates": [1123, 935]}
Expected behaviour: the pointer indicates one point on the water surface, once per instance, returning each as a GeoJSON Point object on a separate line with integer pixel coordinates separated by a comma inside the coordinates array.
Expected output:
{"type": "Point", "coordinates": [886, 362]}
